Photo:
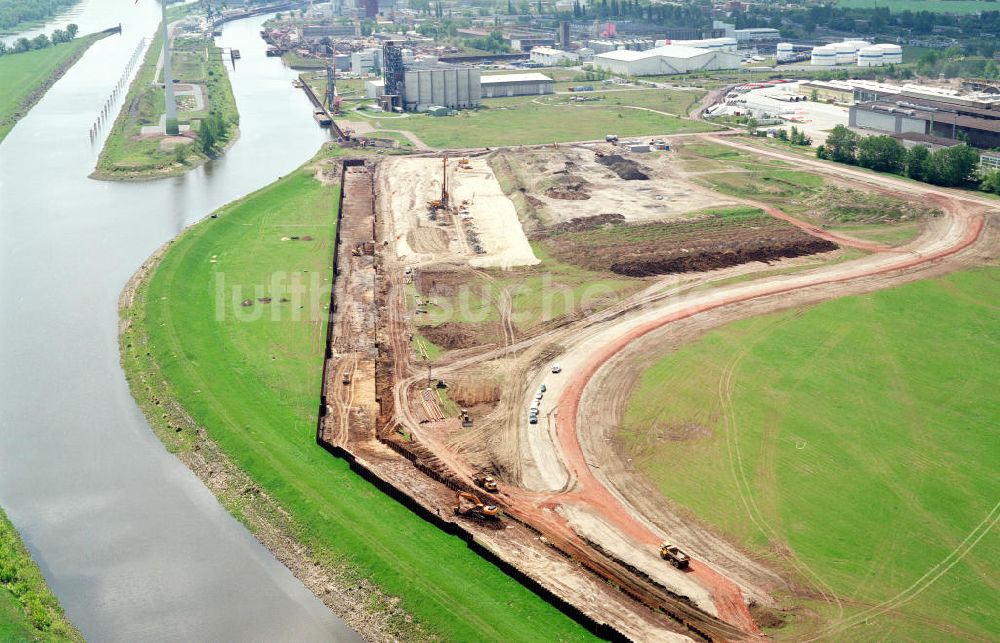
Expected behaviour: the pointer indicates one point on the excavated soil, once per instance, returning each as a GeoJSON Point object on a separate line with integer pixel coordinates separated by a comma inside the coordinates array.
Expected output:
{"type": "Point", "coordinates": [596, 243]}
{"type": "Point", "coordinates": [456, 335]}
{"type": "Point", "coordinates": [625, 168]}
{"type": "Point", "coordinates": [582, 224]}
{"type": "Point", "coordinates": [567, 193]}
{"type": "Point", "coordinates": [681, 260]}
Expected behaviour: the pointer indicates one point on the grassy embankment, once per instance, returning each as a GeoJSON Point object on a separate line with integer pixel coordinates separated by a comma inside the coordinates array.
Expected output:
{"type": "Point", "coordinates": [528, 120]}
{"type": "Point", "coordinates": [251, 380]}
{"type": "Point", "coordinates": [28, 610]}
{"type": "Point", "coordinates": [127, 155]}
{"type": "Point", "coordinates": [862, 433]}
{"type": "Point", "coordinates": [26, 77]}
{"type": "Point", "coordinates": [808, 196]}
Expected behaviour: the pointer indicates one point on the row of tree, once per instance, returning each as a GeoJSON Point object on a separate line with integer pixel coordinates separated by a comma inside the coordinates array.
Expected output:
{"type": "Point", "coordinates": [955, 166]}
{"type": "Point", "coordinates": [41, 41]}
{"type": "Point", "coordinates": [17, 12]}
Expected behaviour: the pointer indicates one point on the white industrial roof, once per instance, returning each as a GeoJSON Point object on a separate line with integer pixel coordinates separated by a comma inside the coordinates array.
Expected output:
{"type": "Point", "coordinates": [533, 77]}
{"type": "Point", "coordinates": [669, 51]}
{"type": "Point", "coordinates": [550, 51]}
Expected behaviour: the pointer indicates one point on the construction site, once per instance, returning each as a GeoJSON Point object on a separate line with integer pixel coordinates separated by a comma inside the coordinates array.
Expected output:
{"type": "Point", "coordinates": [500, 427]}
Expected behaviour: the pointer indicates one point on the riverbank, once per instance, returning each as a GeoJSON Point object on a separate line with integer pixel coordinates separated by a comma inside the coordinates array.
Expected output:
{"type": "Point", "coordinates": [134, 151]}
{"type": "Point", "coordinates": [27, 76]}
{"type": "Point", "coordinates": [28, 609]}
{"type": "Point", "coordinates": [239, 410]}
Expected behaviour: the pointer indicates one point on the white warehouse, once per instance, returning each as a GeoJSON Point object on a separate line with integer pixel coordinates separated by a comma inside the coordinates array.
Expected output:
{"type": "Point", "coordinates": [670, 59]}
{"type": "Point", "coordinates": [551, 57]}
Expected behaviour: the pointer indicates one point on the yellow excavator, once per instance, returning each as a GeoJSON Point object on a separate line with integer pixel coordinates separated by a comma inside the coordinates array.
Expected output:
{"type": "Point", "coordinates": [471, 506]}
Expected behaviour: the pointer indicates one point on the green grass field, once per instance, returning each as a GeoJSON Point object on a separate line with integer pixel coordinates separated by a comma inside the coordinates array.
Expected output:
{"type": "Point", "coordinates": [529, 120]}
{"type": "Point", "coordinates": [863, 215]}
{"type": "Point", "coordinates": [28, 610]}
{"type": "Point", "coordinates": [860, 436]}
{"type": "Point", "coordinates": [251, 376]}
{"type": "Point", "coordinates": [934, 6]}
{"type": "Point", "coordinates": [125, 154]}
{"type": "Point", "coordinates": [25, 77]}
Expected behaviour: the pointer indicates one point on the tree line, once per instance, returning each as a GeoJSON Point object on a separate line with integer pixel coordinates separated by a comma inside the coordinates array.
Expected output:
{"type": "Point", "coordinates": [41, 41]}
{"type": "Point", "coordinates": [956, 166]}
{"type": "Point", "coordinates": [16, 12]}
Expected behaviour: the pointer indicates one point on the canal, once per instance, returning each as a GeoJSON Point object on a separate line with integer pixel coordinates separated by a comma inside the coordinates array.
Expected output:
{"type": "Point", "coordinates": [135, 547]}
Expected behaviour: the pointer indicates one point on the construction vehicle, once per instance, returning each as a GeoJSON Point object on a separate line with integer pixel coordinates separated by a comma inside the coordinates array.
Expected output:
{"type": "Point", "coordinates": [674, 555]}
{"type": "Point", "coordinates": [441, 203]}
{"type": "Point", "coordinates": [466, 420]}
{"type": "Point", "coordinates": [464, 164]}
{"type": "Point", "coordinates": [472, 507]}
{"type": "Point", "coordinates": [485, 482]}
{"type": "Point", "coordinates": [347, 378]}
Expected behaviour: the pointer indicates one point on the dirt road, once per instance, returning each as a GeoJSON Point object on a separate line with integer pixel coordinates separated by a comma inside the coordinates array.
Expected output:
{"type": "Point", "coordinates": [583, 359]}
{"type": "Point", "coordinates": [562, 476]}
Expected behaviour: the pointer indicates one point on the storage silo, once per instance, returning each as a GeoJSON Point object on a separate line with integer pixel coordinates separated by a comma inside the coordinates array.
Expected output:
{"type": "Point", "coordinates": [785, 51]}
{"type": "Point", "coordinates": [824, 56]}
{"type": "Point", "coordinates": [870, 57]}
{"type": "Point", "coordinates": [891, 54]}
{"type": "Point", "coordinates": [846, 53]}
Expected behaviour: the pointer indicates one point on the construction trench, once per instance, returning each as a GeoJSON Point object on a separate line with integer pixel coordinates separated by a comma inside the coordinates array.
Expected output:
{"type": "Point", "coordinates": [357, 422]}
{"type": "Point", "coordinates": [381, 416]}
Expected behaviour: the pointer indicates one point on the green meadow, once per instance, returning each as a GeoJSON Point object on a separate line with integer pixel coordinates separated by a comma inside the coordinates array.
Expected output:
{"type": "Point", "coordinates": [853, 445]}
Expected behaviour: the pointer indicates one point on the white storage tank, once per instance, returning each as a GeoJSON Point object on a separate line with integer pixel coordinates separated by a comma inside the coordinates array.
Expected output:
{"type": "Point", "coordinates": [785, 50]}
{"type": "Point", "coordinates": [870, 57]}
{"type": "Point", "coordinates": [824, 56]}
{"type": "Point", "coordinates": [846, 53]}
{"type": "Point", "coordinates": [891, 54]}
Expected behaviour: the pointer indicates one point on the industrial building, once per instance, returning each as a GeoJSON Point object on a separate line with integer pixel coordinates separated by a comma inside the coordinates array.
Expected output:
{"type": "Point", "coordinates": [942, 114]}
{"type": "Point", "coordinates": [366, 60]}
{"type": "Point", "coordinates": [550, 57]}
{"type": "Point", "coordinates": [632, 44]}
{"type": "Point", "coordinates": [527, 43]}
{"type": "Point", "coordinates": [669, 59]}
{"type": "Point", "coordinates": [530, 84]}
{"type": "Point", "coordinates": [746, 37]}
{"type": "Point", "coordinates": [452, 87]}
{"type": "Point", "coordinates": [715, 44]}
{"type": "Point", "coordinates": [756, 35]}
{"type": "Point", "coordinates": [374, 88]}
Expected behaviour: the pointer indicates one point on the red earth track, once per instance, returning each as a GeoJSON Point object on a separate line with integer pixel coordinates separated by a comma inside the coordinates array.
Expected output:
{"type": "Point", "coordinates": [727, 595]}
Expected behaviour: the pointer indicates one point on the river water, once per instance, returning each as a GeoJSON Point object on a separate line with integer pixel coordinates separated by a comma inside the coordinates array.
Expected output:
{"type": "Point", "coordinates": [135, 547]}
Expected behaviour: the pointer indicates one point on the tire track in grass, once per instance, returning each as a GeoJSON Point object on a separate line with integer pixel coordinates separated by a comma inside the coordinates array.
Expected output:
{"type": "Point", "coordinates": [743, 485]}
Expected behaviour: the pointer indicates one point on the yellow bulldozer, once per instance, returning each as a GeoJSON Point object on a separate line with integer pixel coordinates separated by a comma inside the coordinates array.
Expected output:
{"type": "Point", "coordinates": [674, 556]}
{"type": "Point", "coordinates": [485, 482]}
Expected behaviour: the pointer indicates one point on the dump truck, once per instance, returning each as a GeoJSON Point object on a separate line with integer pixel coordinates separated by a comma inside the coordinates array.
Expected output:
{"type": "Point", "coordinates": [674, 556]}
{"type": "Point", "coordinates": [472, 507]}
{"type": "Point", "coordinates": [485, 482]}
